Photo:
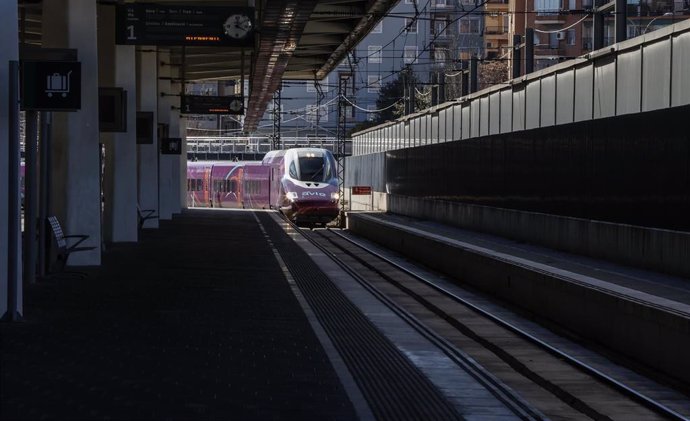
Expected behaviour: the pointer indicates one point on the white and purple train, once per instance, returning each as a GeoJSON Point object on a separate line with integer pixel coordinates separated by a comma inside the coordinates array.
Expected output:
{"type": "Point", "coordinates": [302, 183]}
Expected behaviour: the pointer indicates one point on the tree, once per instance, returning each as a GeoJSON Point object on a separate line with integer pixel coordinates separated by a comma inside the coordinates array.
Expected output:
{"type": "Point", "coordinates": [389, 94]}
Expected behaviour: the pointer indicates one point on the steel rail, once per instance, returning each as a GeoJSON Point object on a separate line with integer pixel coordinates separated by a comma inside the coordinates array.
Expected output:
{"type": "Point", "coordinates": [626, 390]}
{"type": "Point", "coordinates": [502, 392]}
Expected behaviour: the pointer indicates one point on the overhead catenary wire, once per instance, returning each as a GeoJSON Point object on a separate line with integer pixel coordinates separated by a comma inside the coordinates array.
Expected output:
{"type": "Point", "coordinates": [562, 29]}
{"type": "Point", "coordinates": [372, 111]}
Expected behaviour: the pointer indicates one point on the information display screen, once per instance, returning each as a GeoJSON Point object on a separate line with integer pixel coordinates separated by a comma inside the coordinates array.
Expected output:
{"type": "Point", "coordinates": [205, 104]}
{"type": "Point", "coordinates": [154, 24]}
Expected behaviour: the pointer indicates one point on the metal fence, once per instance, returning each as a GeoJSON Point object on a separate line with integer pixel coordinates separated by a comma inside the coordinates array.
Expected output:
{"type": "Point", "coordinates": [204, 147]}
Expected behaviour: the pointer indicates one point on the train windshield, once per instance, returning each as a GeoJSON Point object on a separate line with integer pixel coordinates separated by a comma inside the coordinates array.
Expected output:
{"type": "Point", "coordinates": [314, 167]}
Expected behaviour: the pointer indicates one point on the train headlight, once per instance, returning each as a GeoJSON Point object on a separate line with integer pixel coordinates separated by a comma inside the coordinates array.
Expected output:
{"type": "Point", "coordinates": [291, 195]}
{"type": "Point", "coordinates": [335, 196]}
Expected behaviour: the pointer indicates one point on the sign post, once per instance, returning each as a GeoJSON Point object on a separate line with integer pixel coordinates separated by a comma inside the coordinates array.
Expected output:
{"type": "Point", "coordinates": [363, 191]}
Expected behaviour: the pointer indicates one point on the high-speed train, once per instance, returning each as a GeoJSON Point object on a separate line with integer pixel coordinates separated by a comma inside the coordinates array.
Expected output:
{"type": "Point", "coordinates": [302, 183]}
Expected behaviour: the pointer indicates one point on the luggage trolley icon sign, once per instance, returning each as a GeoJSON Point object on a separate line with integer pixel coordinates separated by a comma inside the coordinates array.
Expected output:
{"type": "Point", "coordinates": [58, 84]}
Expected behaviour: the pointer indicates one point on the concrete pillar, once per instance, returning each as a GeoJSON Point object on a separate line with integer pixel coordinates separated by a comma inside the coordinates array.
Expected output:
{"type": "Point", "coordinates": [122, 161]}
{"type": "Point", "coordinates": [164, 112]}
{"type": "Point", "coordinates": [9, 51]}
{"type": "Point", "coordinates": [75, 173]}
{"type": "Point", "coordinates": [178, 128]}
{"type": "Point", "coordinates": [147, 100]}
{"type": "Point", "coordinates": [118, 69]}
{"type": "Point", "coordinates": [183, 164]}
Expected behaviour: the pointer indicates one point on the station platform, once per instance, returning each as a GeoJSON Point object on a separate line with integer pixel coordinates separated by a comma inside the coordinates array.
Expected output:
{"type": "Point", "coordinates": [194, 322]}
{"type": "Point", "coordinates": [223, 314]}
{"type": "Point", "coordinates": [643, 315]}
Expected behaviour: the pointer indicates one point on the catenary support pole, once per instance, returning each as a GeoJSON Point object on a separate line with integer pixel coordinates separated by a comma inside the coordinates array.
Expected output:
{"type": "Point", "coordinates": [517, 59]}
{"type": "Point", "coordinates": [529, 50]}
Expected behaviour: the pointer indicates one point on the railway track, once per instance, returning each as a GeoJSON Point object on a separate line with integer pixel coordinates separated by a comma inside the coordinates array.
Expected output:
{"type": "Point", "coordinates": [532, 378]}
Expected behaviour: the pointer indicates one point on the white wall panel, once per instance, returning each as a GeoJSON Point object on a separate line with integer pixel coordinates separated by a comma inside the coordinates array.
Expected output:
{"type": "Point", "coordinates": [584, 81]}
{"type": "Point", "coordinates": [434, 128]}
{"type": "Point", "coordinates": [680, 93]}
{"type": "Point", "coordinates": [475, 113]}
{"type": "Point", "coordinates": [449, 124]}
{"type": "Point", "coordinates": [518, 108]}
{"type": "Point", "coordinates": [533, 104]}
{"type": "Point", "coordinates": [484, 116]}
{"type": "Point", "coordinates": [656, 75]}
{"type": "Point", "coordinates": [457, 122]}
{"type": "Point", "coordinates": [548, 101]}
{"type": "Point", "coordinates": [629, 77]}
{"type": "Point", "coordinates": [442, 125]}
{"type": "Point", "coordinates": [495, 113]}
{"type": "Point", "coordinates": [406, 135]}
{"type": "Point", "coordinates": [605, 87]}
{"type": "Point", "coordinates": [424, 130]}
{"type": "Point", "coordinates": [506, 110]}
{"type": "Point", "coordinates": [565, 96]}
{"type": "Point", "coordinates": [466, 121]}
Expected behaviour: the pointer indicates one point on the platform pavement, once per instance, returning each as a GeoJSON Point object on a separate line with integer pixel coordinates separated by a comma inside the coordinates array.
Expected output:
{"type": "Point", "coordinates": [194, 322]}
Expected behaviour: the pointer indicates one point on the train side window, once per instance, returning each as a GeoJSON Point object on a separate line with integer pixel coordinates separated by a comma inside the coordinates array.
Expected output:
{"type": "Point", "coordinates": [293, 170]}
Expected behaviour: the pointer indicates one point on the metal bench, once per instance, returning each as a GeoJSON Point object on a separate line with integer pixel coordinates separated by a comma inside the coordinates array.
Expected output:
{"type": "Point", "coordinates": [145, 215]}
{"type": "Point", "coordinates": [63, 249]}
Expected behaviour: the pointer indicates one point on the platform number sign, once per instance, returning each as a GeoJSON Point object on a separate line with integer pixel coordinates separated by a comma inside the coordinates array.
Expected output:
{"type": "Point", "coordinates": [51, 85]}
{"type": "Point", "coordinates": [171, 146]}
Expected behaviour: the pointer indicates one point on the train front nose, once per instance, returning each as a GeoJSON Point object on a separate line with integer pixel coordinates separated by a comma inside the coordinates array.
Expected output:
{"type": "Point", "coordinates": [313, 211]}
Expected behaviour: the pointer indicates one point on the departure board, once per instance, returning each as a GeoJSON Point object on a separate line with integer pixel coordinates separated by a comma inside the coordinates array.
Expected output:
{"type": "Point", "coordinates": [154, 24]}
{"type": "Point", "coordinates": [205, 104]}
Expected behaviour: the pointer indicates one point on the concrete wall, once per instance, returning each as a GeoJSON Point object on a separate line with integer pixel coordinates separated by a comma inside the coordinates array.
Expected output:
{"type": "Point", "coordinates": [653, 335]}
{"type": "Point", "coordinates": [656, 249]}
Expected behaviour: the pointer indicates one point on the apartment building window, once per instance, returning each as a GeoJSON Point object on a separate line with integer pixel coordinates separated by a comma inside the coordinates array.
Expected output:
{"type": "Point", "coordinates": [547, 7]}
{"type": "Point", "coordinates": [373, 84]}
{"type": "Point", "coordinates": [313, 110]}
{"type": "Point", "coordinates": [410, 53]}
{"type": "Point", "coordinates": [371, 116]}
{"type": "Point", "coordinates": [469, 25]}
{"type": "Point", "coordinates": [378, 29]}
{"type": "Point", "coordinates": [440, 55]}
{"type": "Point", "coordinates": [570, 36]}
{"type": "Point", "coordinates": [411, 26]}
{"type": "Point", "coordinates": [440, 28]}
{"type": "Point", "coordinates": [374, 54]}
{"type": "Point", "coordinates": [554, 40]}
{"type": "Point", "coordinates": [324, 85]}
{"type": "Point", "coordinates": [410, 1]}
{"type": "Point", "coordinates": [572, 4]}
{"type": "Point", "coordinates": [440, 3]}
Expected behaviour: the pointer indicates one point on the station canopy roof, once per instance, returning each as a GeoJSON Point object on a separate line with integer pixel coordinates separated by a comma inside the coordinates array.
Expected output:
{"type": "Point", "coordinates": [303, 40]}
